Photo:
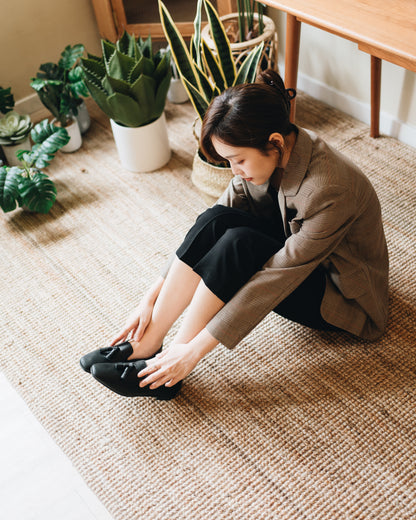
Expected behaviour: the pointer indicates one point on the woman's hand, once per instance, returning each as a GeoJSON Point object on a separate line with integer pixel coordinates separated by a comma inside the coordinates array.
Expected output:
{"type": "Point", "coordinates": [177, 361]}
{"type": "Point", "coordinates": [140, 317]}
{"type": "Point", "coordinates": [136, 323]}
{"type": "Point", "coordinates": [170, 366]}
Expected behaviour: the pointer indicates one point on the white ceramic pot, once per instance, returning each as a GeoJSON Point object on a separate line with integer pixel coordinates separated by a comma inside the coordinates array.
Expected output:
{"type": "Point", "coordinates": [177, 92]}
{"type": "Point", "coordinates": [75, 139]}
{"type": "Point", "coordinates": [142, 149]}
{"type": "Point", "coordinates": [83, 118]}
{"type": "Point", "coordinates": [10, 151]}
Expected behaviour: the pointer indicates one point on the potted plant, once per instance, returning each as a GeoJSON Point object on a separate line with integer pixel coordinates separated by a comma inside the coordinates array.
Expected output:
{"type": "Point", "coordinates": [14, 128]}
{"type": "Point", "coordinates": [26, 185]}
{"type": "Point", "coordinates": [176, 93]}
{"type": "Point", "coordinates": [206, 74]}
{"type": "Point", "coordinates": [60, 87]}
{"type": "Point", "coordinates": [246, 29]}
{"type": "Point", "coordinates": [130, 84]}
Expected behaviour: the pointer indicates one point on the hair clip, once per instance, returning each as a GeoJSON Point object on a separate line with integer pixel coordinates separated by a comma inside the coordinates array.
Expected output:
{"type": "Point", "coordinates": [291, 93]}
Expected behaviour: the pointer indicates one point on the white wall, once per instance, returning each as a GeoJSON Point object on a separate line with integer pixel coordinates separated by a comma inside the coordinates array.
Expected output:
{"type": "Point", "coordinates": [37, 31]}
{"type": "Point", "coordinates": [333, 70]}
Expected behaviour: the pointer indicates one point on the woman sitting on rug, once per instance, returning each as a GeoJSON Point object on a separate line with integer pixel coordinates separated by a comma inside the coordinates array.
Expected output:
{"type": "Point", "coordinates": [298, 231]}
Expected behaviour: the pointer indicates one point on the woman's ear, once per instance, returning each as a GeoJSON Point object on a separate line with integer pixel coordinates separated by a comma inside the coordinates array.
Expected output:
{"type": "Point", "coordinates": [276, 140]}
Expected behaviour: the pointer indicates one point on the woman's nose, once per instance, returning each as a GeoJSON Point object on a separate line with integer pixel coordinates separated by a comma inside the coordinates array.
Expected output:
{"type": "Point", "coordinates": [235, 170]}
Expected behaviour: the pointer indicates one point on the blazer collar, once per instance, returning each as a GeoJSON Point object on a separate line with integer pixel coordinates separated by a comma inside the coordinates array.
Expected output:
{"type": "Point", "coordinates": [298, 164]}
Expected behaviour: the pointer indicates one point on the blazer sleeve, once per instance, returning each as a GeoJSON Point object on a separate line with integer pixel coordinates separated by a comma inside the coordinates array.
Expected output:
{"type": "Point", "coordinates": [326, 218]}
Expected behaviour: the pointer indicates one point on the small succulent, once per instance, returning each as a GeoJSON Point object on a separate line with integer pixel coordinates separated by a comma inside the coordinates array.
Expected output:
{"type": "Point", "coordinates": [26, 185]}
{"type": "Point", "coordinates": [14, 128]}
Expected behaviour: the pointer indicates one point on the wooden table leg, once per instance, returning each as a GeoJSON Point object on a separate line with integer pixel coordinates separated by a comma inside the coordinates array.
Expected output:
{"type": "Point", "coordinates": [292, 56]}
{"type": "Point", "coordinates": [375, 96]}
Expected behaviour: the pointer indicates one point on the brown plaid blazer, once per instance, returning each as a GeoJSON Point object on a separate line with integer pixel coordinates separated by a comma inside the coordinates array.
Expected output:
{"type": "Point", "coordinates": [335, 220]}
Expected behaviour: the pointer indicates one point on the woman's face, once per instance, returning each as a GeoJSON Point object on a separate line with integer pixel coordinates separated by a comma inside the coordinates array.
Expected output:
{"type": "Point", "coordinates": [251, 164]}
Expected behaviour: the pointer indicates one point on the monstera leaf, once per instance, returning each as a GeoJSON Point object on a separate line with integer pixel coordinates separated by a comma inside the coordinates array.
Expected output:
{"type": "Point", "coordinates": [37, 193]}
{"type": "Point", "coordinates": [48, 140]}
{"type": "Point", "coordinates": [27, 186]}
{"type": "Point", "coordinates": [9, 187]}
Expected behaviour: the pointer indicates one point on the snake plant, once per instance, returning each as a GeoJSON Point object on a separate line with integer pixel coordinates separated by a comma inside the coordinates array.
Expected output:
{"type": "Point", "coordinates": [60, 86]}
{"type": "Point", "coordinates": [205, 74]}
{"type": "Point", "coordinates": [26, 185]}
{"type": "Point", "coordinates": [129, 83]}
{"type": "Point", "coordinates": [14, 128]}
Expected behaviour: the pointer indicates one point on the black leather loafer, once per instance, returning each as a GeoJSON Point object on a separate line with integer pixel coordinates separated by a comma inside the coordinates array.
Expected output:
{"type": "Point", "coordinates": [118, 353]}
{"type": "Point", "coordinates": [122, 379]}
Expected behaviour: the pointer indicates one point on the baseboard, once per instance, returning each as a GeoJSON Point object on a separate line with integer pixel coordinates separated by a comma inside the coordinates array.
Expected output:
{"type": "Point", "coordinates": [389, 125]}
{"type": "Point", "coordinates": [28, 105]}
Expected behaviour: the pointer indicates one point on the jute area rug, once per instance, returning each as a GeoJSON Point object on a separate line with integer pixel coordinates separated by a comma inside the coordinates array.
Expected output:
{"type": "Point", "coordinates": [292, 424]}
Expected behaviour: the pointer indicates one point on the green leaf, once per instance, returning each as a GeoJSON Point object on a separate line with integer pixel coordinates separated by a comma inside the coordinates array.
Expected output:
{"type": "Point", "coordinates": [100, 96]}
{"type": "Point", "coordinates": [222, 44]}
{"type": "Point", "coordinates": [70, 56]}
{"type": "Point", "coordinates": [248, 70]}
{"type": "Point", "coordinates": [76, 82]}
{"type": "Point", "coordinates": [48, 140]}
{"type": "Point", "coordinates": [163, 68]}
{"type": "Point", "coordinates": [126, 110]}
{"type": "Point", "coordinates": [127, 45]}
{"type": "Point", "coordinates": [145, 47]}
{"type": "Point", "coordinates": [143, 91]}
{"type": "Point", "coordinates": [9, 187]}
{"type": "Point", "coordinates": [199, 103]}
{"type": "Point", "coordinates": [50, 71]}
{"type": "Point", "coordinates": [161, 94]}
{"type": "Point", "coordinates": [180, 53]}
{"type": "Point", "coordinates": [143, 66]}
{"type": "Point", "coordinates": [38, 193]}
{"type": "Point", "coordinates": [6, 100]}
{"type": "Point", "coordinates": [108, 49]}
{"type": "Point", "coordinates": [196, 38]}
{"type": "Point", "coordinates": [213, 67]}
{"type": "Point", "coordinates": [120, 65]}
{"type": "Point", "coordinates": [112, 85]}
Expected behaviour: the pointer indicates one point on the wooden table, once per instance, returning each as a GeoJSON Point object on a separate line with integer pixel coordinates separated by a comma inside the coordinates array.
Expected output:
{"type": "Point", "coordinates": [385, 29]}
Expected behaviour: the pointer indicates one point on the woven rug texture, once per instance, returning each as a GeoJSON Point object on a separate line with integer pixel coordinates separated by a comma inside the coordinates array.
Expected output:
{"type": "Point", "coordinates": [293, 424]}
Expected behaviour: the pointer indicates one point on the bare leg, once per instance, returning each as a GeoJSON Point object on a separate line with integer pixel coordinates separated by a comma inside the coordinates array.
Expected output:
{"type": "Point", "coordinates": [176, 294]}
{"type": "Point", "coordinates": [203, 308]}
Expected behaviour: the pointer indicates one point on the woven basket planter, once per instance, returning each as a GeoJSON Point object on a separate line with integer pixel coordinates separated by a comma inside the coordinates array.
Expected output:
{"type": "Point", "coordinates": [209, 179]}
{"type": "Point", "coordinates": [241, 49]}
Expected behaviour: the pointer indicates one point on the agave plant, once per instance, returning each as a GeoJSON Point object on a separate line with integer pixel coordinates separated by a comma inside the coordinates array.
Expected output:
{"type": "Point", "coordinates": [6, 100]}
{"type": "Point", "coordinates": [14, 128]}
{"type": "Point", "coordinates": [60, 86]}
{"type": "Point", "coordinates": [206, 74]}
{"type": "Point", "coordinates": [27, 185]}
{"type": "Point", "coordinates": [129, 83]}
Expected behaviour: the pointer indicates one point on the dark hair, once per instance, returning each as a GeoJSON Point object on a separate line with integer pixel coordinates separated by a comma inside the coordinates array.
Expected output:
{"type": "Point", "coordinates": [246, 115]}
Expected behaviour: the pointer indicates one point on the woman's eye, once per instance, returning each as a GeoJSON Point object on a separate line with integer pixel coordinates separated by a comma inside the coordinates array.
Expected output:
{"type": "Point", "coordinates": [240, 162]}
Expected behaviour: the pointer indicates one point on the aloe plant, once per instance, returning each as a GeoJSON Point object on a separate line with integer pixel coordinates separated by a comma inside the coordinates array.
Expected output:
{"type": "Point", "coordinates": [14, 128]}
{"type": "Point", "coordinates": [206, 74]}
{"type": "Point", "coordinates": [26, 185]}
{"type": "Point", "coordinates": [60, 86]}
{"type": "Point", "coordinates": [129, 83]}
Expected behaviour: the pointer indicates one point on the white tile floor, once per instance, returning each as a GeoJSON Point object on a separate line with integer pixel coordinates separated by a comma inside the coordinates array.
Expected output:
{"type": "Point", "coordinates": [37, 481]}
